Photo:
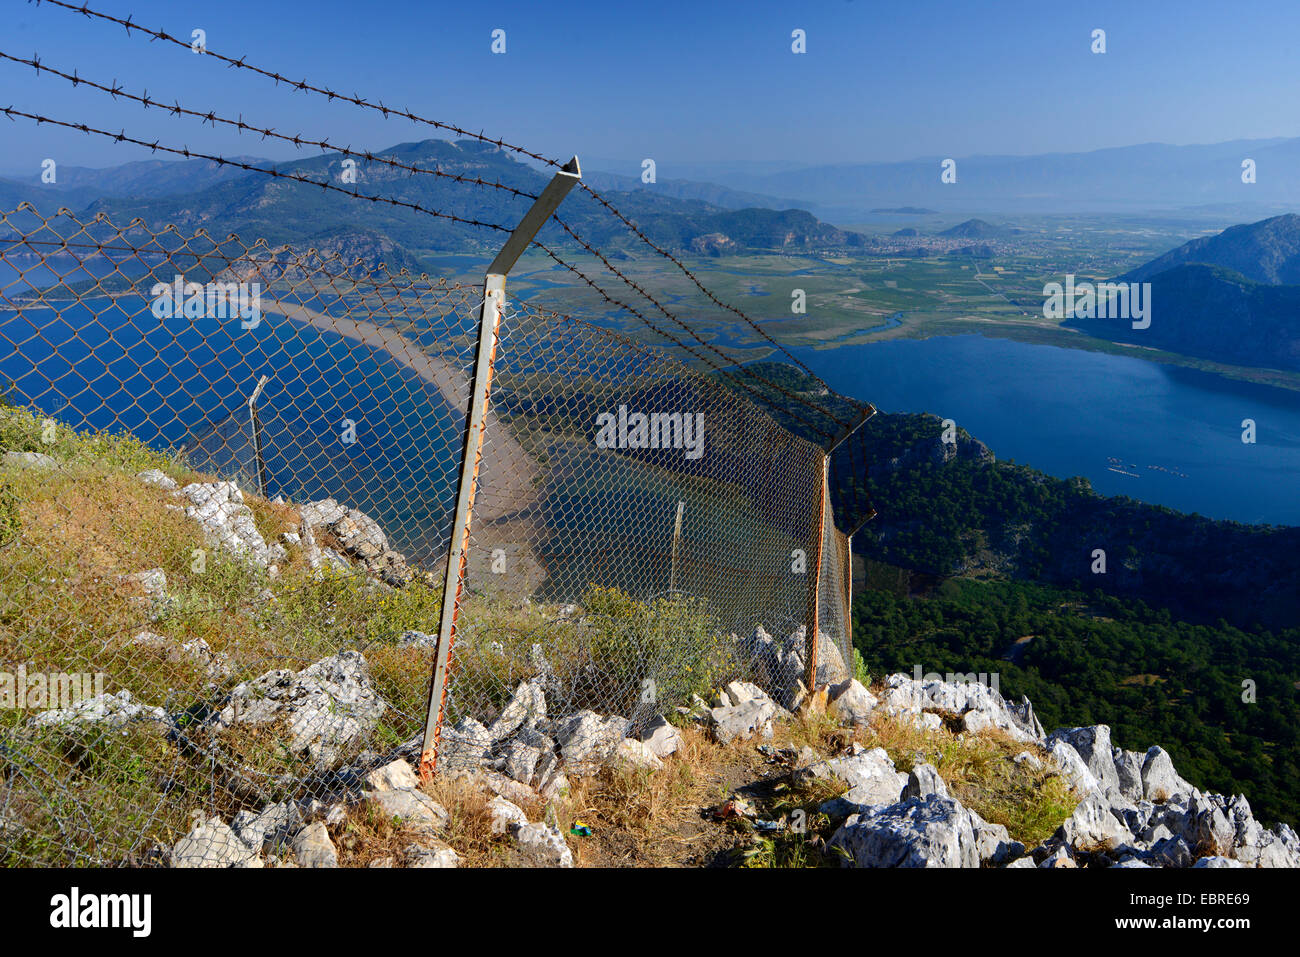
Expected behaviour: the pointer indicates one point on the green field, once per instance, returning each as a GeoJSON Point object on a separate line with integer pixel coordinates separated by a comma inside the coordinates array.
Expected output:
{"type": "Point", "coordinates": [850, 298]}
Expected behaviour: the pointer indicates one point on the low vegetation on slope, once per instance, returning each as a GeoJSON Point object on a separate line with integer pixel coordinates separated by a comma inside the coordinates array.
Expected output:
{"type": "Point", "coordinates": [102, 573]}
{"type": "Point", "coordinates": [104, 568]}
{"type": "Point", "coordinates": [1189, 641]}
{"type": "Point", "coordinates": [97, 566]}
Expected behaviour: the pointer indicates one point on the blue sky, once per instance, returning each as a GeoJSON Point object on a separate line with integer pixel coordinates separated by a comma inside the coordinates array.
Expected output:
{"type": "Point", "coordinates": [678, 81]}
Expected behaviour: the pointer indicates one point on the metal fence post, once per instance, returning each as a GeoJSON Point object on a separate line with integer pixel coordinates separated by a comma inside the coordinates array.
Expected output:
{"type": "Point", "coordinates": [677, 544]}
{"type": "Point", "coordinates": [813, 610]}
{"type": "Point", "coordinates": [814, 589]}
{"type": "Point", "coordinates": [475, 423]}
{"type": "Point", "coordinates": [259, 461]}
{"type": "Point", "coordinates": [848, 590]}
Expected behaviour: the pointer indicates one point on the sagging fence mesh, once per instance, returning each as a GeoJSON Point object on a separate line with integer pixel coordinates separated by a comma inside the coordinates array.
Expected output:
{"type": "Point", "coordinates": [228, 483]}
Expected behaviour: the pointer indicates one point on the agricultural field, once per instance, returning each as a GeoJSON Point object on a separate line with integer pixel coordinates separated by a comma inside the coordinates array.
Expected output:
{"type": "Point", "coordinates": [885, 291]}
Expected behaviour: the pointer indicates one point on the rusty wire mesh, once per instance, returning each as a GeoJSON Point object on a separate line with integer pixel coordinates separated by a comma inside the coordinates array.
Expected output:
{"type": "Point", "coordinates": [253, 586]}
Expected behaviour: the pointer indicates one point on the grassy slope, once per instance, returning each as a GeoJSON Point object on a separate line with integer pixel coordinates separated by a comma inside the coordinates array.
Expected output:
{"type": "Point", "coordinates": [68, 535]}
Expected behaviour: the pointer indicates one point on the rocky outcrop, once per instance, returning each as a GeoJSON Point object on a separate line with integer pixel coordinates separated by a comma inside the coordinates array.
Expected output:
{"type": "Point", "coordinates": [360, 537]}
{"type": "Point", "coordinates": [1159, 780]}
{"type": "Point", "coordinates": [212, 843]}
{"type": "Point", "coordinates": [743, 711]}
{"type": "Point", "coordinates": [851, 702]}
{"type": "Point", "coordinates": [1133, 810]}
{"type": "Point", "coordinates": [870, 776]}
{"type": "Point", "coordinates": [589, 742]}
{"type": "Point", "coordinates": [227, 521]}
{"type": "Point", "coordinates": [661, 737]}
{"type": "Point", "coordinates": [214, 665]}
{"type": "Point", "coordinates": [1093, 747]}
{"type": "Point", "coordinates": [526, 708]}
{"type": "Point", "coordinates": [326, 709]}
{"type": "Point", "coordinates": [410, 807]}
{"type": "Point", "coordinates": [932, 831]}
{"type": "Point", "coordinates": [312, 847]}
{"type": "Point", "coordinates": [505, 816]}
{"type": "Point", "coordinates": [219, 508]}
{"type": "Point", "coordinates": [543, 845]}
{"type": "Point", "coordinates": [109, 711]}
{"type": "Point", "coordinates": [28, 460]}
{"type": "Point", "coordinates": [779, 665]}
{"type": "Point", "coordinates": [269, 830]}
{"type": "Point", "coordinates": [936, 451]}
{"type": "Point", "coordinates": [1136, 810]}
{"type": "Point", "coordinates": [979, 706]}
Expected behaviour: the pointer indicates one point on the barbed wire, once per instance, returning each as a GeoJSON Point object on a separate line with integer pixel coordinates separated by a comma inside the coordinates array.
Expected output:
{"type": "Point", "coordinates": [583, 521]}
{"type": "Point", "coordinates": [141, 251]}
{"type": "Point", "coordinates": [821, 433]}
{"type": "Point", "coordinates": [115, 90]}
{"type": "Point", "coordinates": [696, 280]}
{"type": "Point", "coordinates": [157, 146]}
{"type": "Point", "coordinates": [300, 85]}
{"type": "Point", "coordinates": [214, 119]}
{"type": "Point", "coordinates": [185, 151]}
{"type": "Point", "coordinates": [161, 251]}
{"type": "Point", "coordinates": [356, 100]}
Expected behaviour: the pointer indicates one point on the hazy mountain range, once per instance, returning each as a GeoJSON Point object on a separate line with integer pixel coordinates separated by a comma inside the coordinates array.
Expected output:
{"type": "Point", "coordinates": [1145, 176]}
{"type": "Point", "coordinates": [1142, 177]}
{"type": "Point", "coordinates": [226, 199]}
{"type": "Point", "coordinates": [1233, 297]}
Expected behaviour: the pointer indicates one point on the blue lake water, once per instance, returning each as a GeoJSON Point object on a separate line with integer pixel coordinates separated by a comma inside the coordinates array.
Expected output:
{"type": "Point", "coordinates": [111, 364]}
{"type": "Point", "coordinates": [1158, 433]}
{"type": "Point", "coordinates": [1069, 412]}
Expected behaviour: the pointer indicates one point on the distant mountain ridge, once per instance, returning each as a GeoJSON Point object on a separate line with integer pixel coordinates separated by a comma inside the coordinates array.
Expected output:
{"type": "Point", "coordinates": [1142, 176]}
{"type": "Point", "coordinates": [143, 177]}
{"type": "Point", "coordinates": [1267, 252]}
{"type": "Point", "coordinates": [283, 211]}
{"type": "Point", "coordinates": [711, 193]}
{"type": "Point", "coordinates": [1233, 297]}
{"type": "Point", "coordinates": [977, 229]}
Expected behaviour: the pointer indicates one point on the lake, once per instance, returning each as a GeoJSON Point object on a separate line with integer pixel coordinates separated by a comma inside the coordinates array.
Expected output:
{"type": "Point", "coordinates": [1159, 433]}
{"type": "Point", "coordinates": [110, 364]}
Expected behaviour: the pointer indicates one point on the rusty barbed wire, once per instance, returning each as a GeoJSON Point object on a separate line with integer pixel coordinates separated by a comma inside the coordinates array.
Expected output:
{"type": "Point", "coordinates": [753, 324]}
{"type": "Point", "coordinates": [186, 152]}
{"type": "Point", "coordinates": [372, 274]}
{"type": "Point", "coordinates": [301, 85]}
{"type": "Point", "coordinates": [820, 432]}
{"type": "Point", "coordinates": [156, 146]}
{"type": "Point", "coordinates": [355, 100]}
{"type": "Point", "coordinates": [280, 174]}
{"type": "Point", "coordinates": [297, 140]}
{"type": "Point", "coordinates": [212, 118]}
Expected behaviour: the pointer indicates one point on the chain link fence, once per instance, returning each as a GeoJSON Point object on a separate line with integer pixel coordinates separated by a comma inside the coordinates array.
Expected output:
{"type": "Point", "coordinates": [227, 492]}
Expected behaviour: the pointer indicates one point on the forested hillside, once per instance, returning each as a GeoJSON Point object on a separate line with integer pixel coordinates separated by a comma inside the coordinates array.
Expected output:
{"type": "Point", "coordinates": [975, 565]}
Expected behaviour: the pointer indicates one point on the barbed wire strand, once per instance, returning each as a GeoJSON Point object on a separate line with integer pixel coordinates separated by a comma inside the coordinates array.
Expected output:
{"type": "Point", "coordinates": [185, 151]}
{"type": "Point", "coordinates": [356, 100]}
{"type": "Point", "coordinates": [115, 90]}
{"type": "Point", "coordinates": [211, 117]}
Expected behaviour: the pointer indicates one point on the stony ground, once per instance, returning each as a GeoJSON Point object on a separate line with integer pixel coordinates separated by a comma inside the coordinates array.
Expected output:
{"type": "Point", "coordinates": [265, 700]}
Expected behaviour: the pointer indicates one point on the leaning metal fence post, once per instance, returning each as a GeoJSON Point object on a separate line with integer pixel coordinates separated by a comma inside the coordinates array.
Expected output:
{"type": "Point", "coordinates": [259, 462]}
{"type": "Point", "coordinates": [814, 589]}
{"type": "Point", "coordinates": [494, 291]}
{"type": "Point", "coordinates": [677, 545]}
{"type": "Point", "coordinates": [813, 610]}
{"type": "Point", "coordinates": [848, 593]}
